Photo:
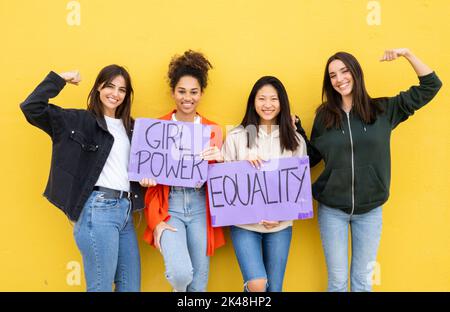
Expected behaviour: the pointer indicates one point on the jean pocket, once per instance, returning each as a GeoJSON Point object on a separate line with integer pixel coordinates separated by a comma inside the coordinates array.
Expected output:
{"type": "Point", "coordinates": [110, 212]}
{"type": "Point", "coordinates": [105, 203]}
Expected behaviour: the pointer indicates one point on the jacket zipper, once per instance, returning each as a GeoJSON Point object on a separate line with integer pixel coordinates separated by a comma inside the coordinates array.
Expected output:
{"type": "Point", "coordinates": [353, 165]}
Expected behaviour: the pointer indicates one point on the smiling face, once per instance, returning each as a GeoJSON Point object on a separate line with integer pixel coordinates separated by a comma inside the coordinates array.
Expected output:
{"type": "Point", "coordinates": [341, 78]}
{"type": "Point", "coordinates": [112, 95]}
{"type": "Point", "coordinates": [187, 94]}
{"type": "Point", "coordinates": [267, 105]}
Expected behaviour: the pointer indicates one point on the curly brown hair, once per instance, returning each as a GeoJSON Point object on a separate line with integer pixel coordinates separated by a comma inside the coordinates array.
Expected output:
{"type": "Point", "coordinates": [191, 63]}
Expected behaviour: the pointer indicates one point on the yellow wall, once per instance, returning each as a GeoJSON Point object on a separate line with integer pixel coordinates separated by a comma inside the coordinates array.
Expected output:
{"type": "Point", "coordinates": [244, 39]}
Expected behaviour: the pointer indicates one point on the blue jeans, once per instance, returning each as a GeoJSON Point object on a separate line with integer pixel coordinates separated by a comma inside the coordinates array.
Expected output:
{"type": "Point", "coordinates": [366, 233]}
{"type": "Point", "coordinates": [106, 238]}
{"type": "Point", "coordinates": [184, 251]}
{"type": "Point", "coordinates": [262, 255]}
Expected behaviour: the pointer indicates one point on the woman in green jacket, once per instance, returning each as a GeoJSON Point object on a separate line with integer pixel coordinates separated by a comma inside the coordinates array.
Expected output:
{"type": "Point", "coordinates": [351, 133]}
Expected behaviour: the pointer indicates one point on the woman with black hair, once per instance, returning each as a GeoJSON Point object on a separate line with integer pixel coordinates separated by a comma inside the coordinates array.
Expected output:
{"type": "Point", "coordinates": [351, 132]}
{"type": "Point", "coordinates": [265, 132]}
{"type": "Point", "coordinates": [88, 177]}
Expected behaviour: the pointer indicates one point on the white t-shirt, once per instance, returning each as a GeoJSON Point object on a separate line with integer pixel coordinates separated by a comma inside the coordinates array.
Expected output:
{"type": "Point", "coordinates": [197, 118]}
{"type": "Point", "coordinates": [115, 172]}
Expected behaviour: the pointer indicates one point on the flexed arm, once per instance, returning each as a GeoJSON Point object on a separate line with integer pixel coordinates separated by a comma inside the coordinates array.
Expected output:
{"type": "Point", "coordinates": [420, 67]}
{"type": "Point", "coordinates": [36, 107]}
{"type": "Point", "coordinates": [400, 107]}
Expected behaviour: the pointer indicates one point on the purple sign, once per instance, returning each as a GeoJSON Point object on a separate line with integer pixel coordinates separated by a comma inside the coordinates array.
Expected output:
{"type": "Point", "coordinates": [241, 194]}
{"type": "Point", "coordinates": [168, 151]}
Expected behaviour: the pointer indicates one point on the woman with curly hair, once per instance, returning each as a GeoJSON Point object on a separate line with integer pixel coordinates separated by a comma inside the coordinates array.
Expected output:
{"type": "Point", "coordinates": [178, 219]}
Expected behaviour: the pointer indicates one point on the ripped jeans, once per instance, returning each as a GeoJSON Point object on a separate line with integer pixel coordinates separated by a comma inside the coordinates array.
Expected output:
{"type": "Point", "coordinates": [262, 255]}
{"type": "Point", "coordinates": [184, 251]}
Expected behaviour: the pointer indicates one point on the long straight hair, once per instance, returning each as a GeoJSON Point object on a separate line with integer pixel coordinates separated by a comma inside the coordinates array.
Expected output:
{"type": "Point", "coordinates": [365, 107]}
{"type": "Point", "coordinates": [95, 105]}
{"type": "Point", "coordinates": [288, 137]}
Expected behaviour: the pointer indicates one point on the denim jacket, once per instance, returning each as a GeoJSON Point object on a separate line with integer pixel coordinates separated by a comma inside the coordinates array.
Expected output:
{"type": "Point", "coordinates": [81, 145]}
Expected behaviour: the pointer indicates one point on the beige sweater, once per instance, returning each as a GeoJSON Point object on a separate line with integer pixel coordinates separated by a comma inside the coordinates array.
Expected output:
{"type": "Point", "coordinates": [267, 147]}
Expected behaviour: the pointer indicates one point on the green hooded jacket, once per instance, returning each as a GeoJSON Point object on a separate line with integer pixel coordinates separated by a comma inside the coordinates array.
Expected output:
{"type": "Point", "coordinates": [357, 156]}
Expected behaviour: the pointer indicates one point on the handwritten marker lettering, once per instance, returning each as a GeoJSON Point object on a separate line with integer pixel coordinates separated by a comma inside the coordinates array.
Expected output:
{"type": "Point", "coordinates": [169, 152]}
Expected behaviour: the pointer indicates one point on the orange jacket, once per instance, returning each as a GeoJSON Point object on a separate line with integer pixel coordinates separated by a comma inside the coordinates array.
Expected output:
{"type": "Point", "coordinates": [157, 200]}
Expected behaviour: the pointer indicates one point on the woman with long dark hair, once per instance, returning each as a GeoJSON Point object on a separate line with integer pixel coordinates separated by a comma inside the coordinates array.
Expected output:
{"type": "Point", "coordinates": [351, 133]}
{"type": "Point", "coordinates": [88, 176]}
{"type": "Point", "coordinates": [266, 132]}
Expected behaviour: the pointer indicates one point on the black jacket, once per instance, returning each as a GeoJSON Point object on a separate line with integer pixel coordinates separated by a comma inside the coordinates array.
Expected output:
{"type": "Point", "coordinates": [81, 145]}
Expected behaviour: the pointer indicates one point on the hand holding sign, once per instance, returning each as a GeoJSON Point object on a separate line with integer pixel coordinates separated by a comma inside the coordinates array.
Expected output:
{"type": "Point", "coordinates": [270, 224]}
{"type": "Point", "coordinates": [212, 153]}
{"type": "Point", "coordinates": [256, 162]}
{"type": "Point", "coordinates": [146, 182]}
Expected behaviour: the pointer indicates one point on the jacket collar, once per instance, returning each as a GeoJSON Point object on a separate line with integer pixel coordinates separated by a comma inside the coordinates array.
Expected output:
{"type": "Point", "coordinates": [101, 122]}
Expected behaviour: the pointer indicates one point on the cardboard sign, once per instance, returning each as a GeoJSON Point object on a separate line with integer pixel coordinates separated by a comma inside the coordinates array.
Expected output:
{"type": "Point", "coordinates": [241, 194]}
{"type": "Point", "coordinates": [168, 151]}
